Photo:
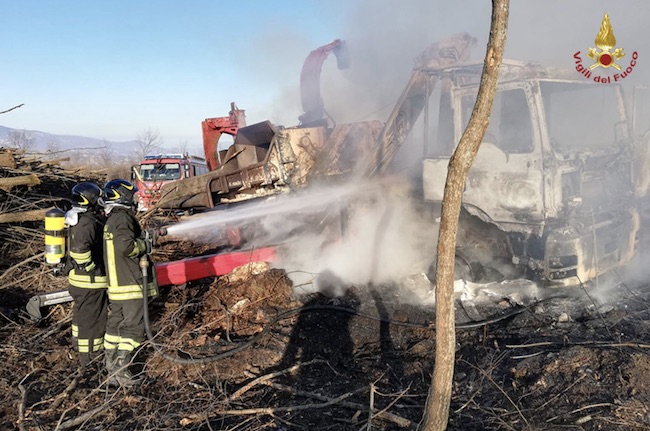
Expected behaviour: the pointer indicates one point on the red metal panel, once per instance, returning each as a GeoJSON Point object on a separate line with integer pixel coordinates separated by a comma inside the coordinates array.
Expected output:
{"type": "Point", "coordinates": [213, 128]}
{"type": "Point", "coordinates": [195, 268]}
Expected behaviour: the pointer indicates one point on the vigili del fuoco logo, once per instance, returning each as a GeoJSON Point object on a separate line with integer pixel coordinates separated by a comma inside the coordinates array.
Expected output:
{"type": "Point", "coordinates": [605, 55]}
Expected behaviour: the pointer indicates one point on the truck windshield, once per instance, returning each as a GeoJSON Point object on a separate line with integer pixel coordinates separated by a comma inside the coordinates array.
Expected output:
{"type": "Point", "coordinates": [510, 127]}
{"type": "Point", "coordinates": [160, 171]}
{"type": "Point", "coordinates": [580, 116]}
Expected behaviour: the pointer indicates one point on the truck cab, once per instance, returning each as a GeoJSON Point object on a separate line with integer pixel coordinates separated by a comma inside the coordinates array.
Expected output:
{"type": "Point", "coordinates": [156, 170]}
{"type": "Point", "coordinates": [554, 191]}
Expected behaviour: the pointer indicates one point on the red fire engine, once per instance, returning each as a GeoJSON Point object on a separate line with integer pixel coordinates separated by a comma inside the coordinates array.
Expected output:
{"type": "Point", "coordinates": [156, 170]}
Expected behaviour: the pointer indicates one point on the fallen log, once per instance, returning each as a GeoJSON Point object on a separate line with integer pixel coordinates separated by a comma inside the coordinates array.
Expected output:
{"type": "Point", "coordinates": [24, 180]}
{"type": "Point", "coordinates": [7, 159]}
{"type": "Point", "coordinates": [23, 216]}
{"type": "Point", "coordinates": [46, 163]}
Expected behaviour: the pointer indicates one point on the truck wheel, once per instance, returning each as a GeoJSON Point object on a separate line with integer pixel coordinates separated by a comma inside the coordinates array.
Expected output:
{"type": "Point", "coordinates": [462, 270]}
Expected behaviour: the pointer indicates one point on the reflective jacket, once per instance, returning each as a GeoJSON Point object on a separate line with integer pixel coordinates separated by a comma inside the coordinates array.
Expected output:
{"type": "Point", "coordinates": [122, 250]}
{"type": "Point", "coordinates": [86, 252]}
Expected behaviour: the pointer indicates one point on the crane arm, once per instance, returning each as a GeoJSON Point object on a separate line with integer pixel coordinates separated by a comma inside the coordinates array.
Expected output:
{"type": "Point", "coordinates": [312, 102]}
{"type": "Point", "coordinates": [213, 128]}
{"type": "Point", "coordinates": [447, 52]}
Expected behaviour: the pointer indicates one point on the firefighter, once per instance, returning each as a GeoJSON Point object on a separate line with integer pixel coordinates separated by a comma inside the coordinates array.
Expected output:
{"type": "Point", "coordinates": [123, 246]}
{"type": "Point", "coordinates": [85, 266]}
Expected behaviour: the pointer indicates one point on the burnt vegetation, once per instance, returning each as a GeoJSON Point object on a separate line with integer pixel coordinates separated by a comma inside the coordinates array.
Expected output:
{"type": "Point", "coordinates": [361, 361]}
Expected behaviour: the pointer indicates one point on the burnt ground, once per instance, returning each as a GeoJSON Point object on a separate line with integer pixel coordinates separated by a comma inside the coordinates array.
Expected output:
{"type": "Point", "coordinates": [239, 352]}
{"type": "Point", "coordinates": [315, 363]}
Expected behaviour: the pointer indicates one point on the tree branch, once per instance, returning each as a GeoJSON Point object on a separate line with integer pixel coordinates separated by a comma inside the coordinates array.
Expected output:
{"type": "Point", "coordinates": [47, 153]}
{"type": "Point", "coordinates": [11, 109]}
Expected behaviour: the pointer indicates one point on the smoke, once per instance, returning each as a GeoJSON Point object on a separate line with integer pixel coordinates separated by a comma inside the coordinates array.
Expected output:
{"type": "Point", "coordinates": [385, 239]}
{"type": "Point", "coordinates": [272, 210]}
{"type": "Point", "coordinates": [332, 237]}
{"type": "Point", "coordinates": [384, 38]}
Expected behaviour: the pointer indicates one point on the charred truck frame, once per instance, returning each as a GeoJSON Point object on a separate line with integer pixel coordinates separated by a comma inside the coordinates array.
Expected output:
{"type": "Point", "coordinates": [557, 185]}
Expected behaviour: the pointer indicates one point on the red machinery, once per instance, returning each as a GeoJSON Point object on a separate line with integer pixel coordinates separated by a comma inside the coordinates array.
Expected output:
{"type": "Point", "coordinates": [213, 128]}
{"type": "Point", "coordinates": [173, 273]}
{"type": "Point", "coordinates": [264, 159]}
{"type": "Point", "coordinates": [312, 102]}
{"type": "Point", "coordinates": [196, 268]}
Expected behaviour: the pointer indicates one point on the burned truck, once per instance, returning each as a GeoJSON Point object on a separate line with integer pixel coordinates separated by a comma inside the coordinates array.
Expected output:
{"type": "Point", "coordinates": [556, 193]}
{"type": "Point", "coordinates": [558, 185]}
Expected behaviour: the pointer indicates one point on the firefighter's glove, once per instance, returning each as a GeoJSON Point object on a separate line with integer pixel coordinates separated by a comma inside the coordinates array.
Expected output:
{"type": "Point", "coordinates": [140, 247]}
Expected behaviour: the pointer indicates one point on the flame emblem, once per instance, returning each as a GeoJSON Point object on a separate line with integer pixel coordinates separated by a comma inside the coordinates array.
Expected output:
{"type": "Point", "coordinates": [605, 41]}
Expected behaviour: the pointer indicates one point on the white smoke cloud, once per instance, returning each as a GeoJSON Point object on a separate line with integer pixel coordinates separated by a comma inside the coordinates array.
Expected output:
{"type": "Point", "coordinates": [335, 236]}
{"type": "Point", "coordinates": [386, 240]}
{"type": "Point", "coordinates": [385, 37]}
{"type": "Point", "coordinates": [354, 234]}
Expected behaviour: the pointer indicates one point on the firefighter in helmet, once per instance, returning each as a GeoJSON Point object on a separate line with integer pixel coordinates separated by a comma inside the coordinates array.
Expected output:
{"type": "Point", "coordinates": [123, 246]}
{"type": "Point", "coordinates": [86, 275]}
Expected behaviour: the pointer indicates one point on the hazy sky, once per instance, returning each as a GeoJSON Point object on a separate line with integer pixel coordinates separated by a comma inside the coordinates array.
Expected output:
{"type": "Point", "coordinates": [110, 69]}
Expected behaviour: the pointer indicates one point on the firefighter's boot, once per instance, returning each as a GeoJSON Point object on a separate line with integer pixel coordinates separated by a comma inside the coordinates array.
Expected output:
{"type": "Point", "coordinates": [84, 359]}
{"type": "Point", "coordinates": [121, 375]}
{"type": "Point", "coordinates": [110, 362]}
{"type": "Point", "coordinates": [90, 368]}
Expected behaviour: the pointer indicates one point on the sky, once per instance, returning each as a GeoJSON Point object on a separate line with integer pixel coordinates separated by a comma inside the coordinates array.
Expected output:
{"type": "Point", "coordinates": [112, 69]}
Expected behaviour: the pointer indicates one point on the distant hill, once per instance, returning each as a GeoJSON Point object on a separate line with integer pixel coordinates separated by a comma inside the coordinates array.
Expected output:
{"type": "Point", "coordinates": [80, 150]}
{"type": "Point", "coordinates": [43, 141]}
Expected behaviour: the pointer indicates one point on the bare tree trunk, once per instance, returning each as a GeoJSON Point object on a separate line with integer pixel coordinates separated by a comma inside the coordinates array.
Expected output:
{"type": "Point", "coordinates": [436, 413]}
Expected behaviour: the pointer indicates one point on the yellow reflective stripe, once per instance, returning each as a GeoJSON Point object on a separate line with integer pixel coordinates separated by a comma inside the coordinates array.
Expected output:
{"type": "Point", "coordinates": [91, 267]}
{"type": "Point", "coordinates": [77, 280]}
{"type": "Point", "coordinates": [89, 285]}
{"type": "Point", "coordinates": [128, 344]}
{"type": "Point", "coordinates": [110, 261]}
{"type": "Point", "coordinates": [81, 257]}
{"type": "Point", "coordinates": [112, 338]}
{"type": "Point", "coordinates": [124, 296]}
{"type": "Point", "coordinates": [85, 277]}
{"type": "Point", "coordinates": [75, 331]}
{"type": "Point", "coordinates": [98, 344]}
{"type": "Point", "coordinates": [124, 293]}
{"type": "Point", "coordinates": [83, 345]}
{"type": "Point", "coordinates": [111, 341]}
{"type": "Point", "coordinates": [125, 289]}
